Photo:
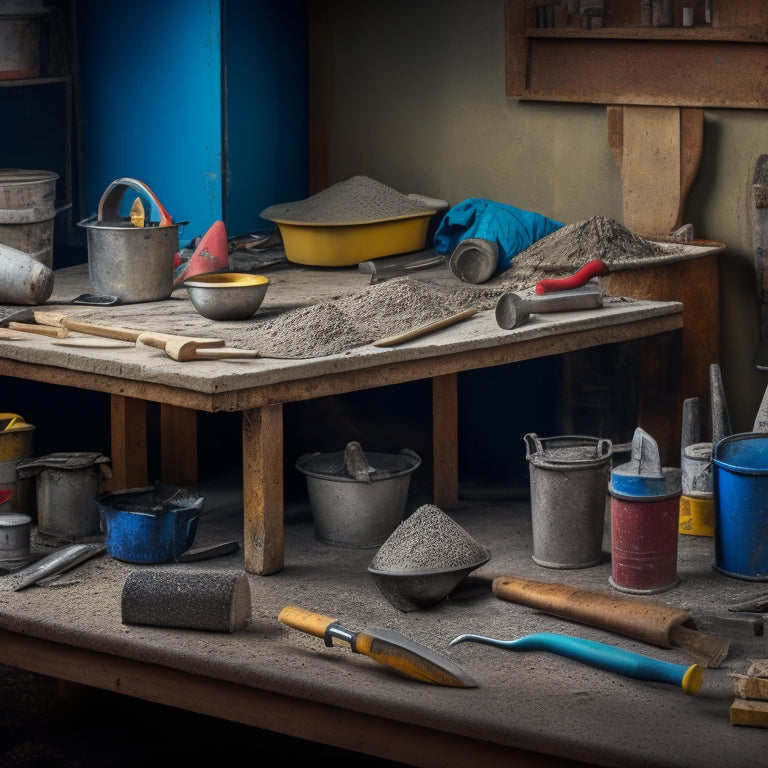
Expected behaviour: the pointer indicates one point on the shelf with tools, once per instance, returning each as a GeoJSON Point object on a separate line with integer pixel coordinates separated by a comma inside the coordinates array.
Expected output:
{"type": "Point", "coordinates": [612, 57]}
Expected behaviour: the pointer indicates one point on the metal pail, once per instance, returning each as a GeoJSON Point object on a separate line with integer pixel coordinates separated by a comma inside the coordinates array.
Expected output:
{"type": "Point", "coordinates": [569, 487]}
{"type": "Point", "coordinates": [149, 525]}
{"type": "Point", "coordinates": [644, 531]}
{"type": "Point", "coordinates": [65, 484]}
{"type": "Point", "coordinates": [740, 481]}
{"type": "Point", "coordinates": [28, 211]}
{"type": "Point", "coordinates": [131, 258]}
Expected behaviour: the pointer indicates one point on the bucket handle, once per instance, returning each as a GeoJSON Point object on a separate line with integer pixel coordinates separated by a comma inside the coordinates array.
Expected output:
{"type": "Point", "coordinates": [604, 447]}
{"type": "Point", "coordinates": [109, 205]}
{"type": "Point", "coordinates": [532, 444]}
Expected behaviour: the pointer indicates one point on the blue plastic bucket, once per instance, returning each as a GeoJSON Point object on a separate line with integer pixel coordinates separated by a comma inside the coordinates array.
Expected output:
{"type": "Point", "coordinates": [740, 485]}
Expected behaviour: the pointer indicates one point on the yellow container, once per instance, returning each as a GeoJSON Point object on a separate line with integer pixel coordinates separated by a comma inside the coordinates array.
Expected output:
{"type": "Point", "coordinates": [15, 437]}
{"type": "Point", "coordinates": [697, 516]}
{"type": "Point", "coordinates": [343, 245]}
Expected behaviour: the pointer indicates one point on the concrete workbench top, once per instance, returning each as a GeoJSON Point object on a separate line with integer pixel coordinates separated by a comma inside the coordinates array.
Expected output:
{"type": "Point", "coordinates": [532, 700]}
{"type": "Point", "coordinates": [290, 288]}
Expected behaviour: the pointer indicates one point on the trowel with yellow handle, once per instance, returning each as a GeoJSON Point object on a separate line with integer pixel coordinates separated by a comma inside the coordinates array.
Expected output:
{"type": "Point", "coordinates": [403, 655]}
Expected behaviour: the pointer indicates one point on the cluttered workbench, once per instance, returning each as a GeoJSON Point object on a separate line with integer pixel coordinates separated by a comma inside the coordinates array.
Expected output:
{"type": "Point", "coordinates": [309, 338]}
{"type": "Point", "coordinates": [134, 374]}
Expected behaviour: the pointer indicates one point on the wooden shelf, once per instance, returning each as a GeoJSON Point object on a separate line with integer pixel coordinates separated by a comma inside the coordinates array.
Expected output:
{"type": "Point", "coordinates": [718, 65]}
{"type": "Point", "coordinates": [33, 81]}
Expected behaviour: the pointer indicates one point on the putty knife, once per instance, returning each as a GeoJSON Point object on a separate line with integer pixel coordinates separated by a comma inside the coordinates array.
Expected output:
{"type": "Point", "coordinates": [402, 654]}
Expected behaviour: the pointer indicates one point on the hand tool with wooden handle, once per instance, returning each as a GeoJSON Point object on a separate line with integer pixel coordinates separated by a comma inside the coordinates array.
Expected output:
{"type": "Point", "coordinates": [10, 334]}
{"type": "Point", "coordinates": [40, 330]}
{"type": "Point", "coordinates": [652, 623]}
{"type": "Point", "coordinates": [390, 648]}
{"type": "Point", "coordinates": [582, 276]}
{"type": "Point", "coordinates": [186, 348]}
{"type": "Point", "coordinates": [512, 309]}
{"type": "Point", "coordinates": [179, 348]}
{"type": "Point", "coordinates": [390, 341]}
{"type": "Point", "coordinates": [602, 656]}
{"type": "Point", "coordinates": [59, 319]}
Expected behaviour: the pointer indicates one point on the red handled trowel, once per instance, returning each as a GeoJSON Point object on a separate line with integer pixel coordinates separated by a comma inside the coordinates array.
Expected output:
{"type": "Point", "coordinates": [390, 648]}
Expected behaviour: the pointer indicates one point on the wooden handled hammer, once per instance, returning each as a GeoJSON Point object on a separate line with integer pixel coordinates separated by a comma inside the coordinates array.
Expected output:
{"type": "Point", "coordinates": [186, 348]}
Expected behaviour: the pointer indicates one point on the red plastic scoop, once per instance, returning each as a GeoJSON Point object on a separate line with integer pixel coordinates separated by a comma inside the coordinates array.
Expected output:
{"type": "Point", "coordinates": [577, 279]}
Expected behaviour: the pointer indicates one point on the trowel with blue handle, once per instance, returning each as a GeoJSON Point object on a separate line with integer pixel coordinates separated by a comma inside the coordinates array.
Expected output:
{"type": "Point", "coordinates": [603, 656]}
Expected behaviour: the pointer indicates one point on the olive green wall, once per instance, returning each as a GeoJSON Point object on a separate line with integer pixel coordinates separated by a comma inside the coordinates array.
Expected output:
{"type": "Point", "coordinates": [411, 93]}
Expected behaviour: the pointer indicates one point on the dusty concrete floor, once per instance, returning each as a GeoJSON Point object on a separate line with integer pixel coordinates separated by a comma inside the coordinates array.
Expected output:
{"type": "Point", "coordinates": [43, 724]}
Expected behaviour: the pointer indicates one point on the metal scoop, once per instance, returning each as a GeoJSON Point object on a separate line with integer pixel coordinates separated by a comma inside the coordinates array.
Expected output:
{"type": "Point", "coordinates": [603, 656]}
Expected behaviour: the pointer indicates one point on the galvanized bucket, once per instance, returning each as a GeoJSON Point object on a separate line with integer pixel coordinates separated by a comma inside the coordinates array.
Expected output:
{"type": "Point", "coordinates": [357, 514]}
{"type": "Point", "coordinates": [14, 536]}
{"type": "Point", "coordinates": [28, 211]}
{"type": "Point", "coordinates": [65, 485]}
{"type": "Point", "coordinates": [128, 258]}
{"type": "Point", "coordinates": [740, 480]}
{"type": "Point", "coordinates": [569, 492]}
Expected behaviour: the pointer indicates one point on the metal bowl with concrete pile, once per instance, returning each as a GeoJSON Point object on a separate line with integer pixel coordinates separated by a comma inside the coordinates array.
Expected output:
{"type": "Point", "coordinates": [425, 559]}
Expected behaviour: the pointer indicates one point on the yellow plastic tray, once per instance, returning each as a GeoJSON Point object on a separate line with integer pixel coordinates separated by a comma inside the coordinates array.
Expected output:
{"type": "Point", "coordinates": [342, 245]}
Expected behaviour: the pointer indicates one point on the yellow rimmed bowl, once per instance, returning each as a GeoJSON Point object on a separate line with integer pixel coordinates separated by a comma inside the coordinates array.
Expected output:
{"type": "Point", "coordinates": [227, 295]}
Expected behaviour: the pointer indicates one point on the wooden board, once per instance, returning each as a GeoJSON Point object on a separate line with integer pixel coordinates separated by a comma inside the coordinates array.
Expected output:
{"type": "Point", "coordinates": [657, 151]}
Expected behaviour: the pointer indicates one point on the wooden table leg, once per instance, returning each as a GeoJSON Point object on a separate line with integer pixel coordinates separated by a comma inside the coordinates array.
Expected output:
{"type": "Point", "coordinates": [128, 424]}
{"type": "Point", "coordinates": [178, 445]}
{"type": "Point", "coordinates": [445, 439]}
{"type": "Point", "coordinates": [263, 489]}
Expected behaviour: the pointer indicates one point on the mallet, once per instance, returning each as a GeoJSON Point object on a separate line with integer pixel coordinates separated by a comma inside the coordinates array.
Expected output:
{"type": "Point", "coordinates": [512, 309]}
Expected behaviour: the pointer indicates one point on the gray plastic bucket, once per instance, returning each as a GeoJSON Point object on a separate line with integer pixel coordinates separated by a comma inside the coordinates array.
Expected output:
{"type": "Point", "coordinates": [740, 480]}
{"type": "Point", "coordinates": [569, 494]}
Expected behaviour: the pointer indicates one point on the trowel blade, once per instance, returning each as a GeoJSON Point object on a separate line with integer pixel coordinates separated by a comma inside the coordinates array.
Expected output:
{"type": "Point", "coordinates": [57, 562]}
{"type": "Point", "coordinates": [645, 455]}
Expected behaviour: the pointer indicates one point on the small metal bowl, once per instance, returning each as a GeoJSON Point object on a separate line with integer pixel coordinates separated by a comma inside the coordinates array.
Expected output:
{"type": "Point", "coordinates": [227, 295]}
{"type": "Point", "coordinates": [412, 590]}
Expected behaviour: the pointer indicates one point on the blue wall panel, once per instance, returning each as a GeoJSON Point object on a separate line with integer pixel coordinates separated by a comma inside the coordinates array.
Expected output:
{"type": "Point", "coordinates": [150, 95]}
{"type": "Point", "coordinates": [213, 140]}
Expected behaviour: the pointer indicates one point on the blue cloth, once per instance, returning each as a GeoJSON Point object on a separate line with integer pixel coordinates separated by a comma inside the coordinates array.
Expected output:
{"type": "Point", "coordinates": [512, 229]}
